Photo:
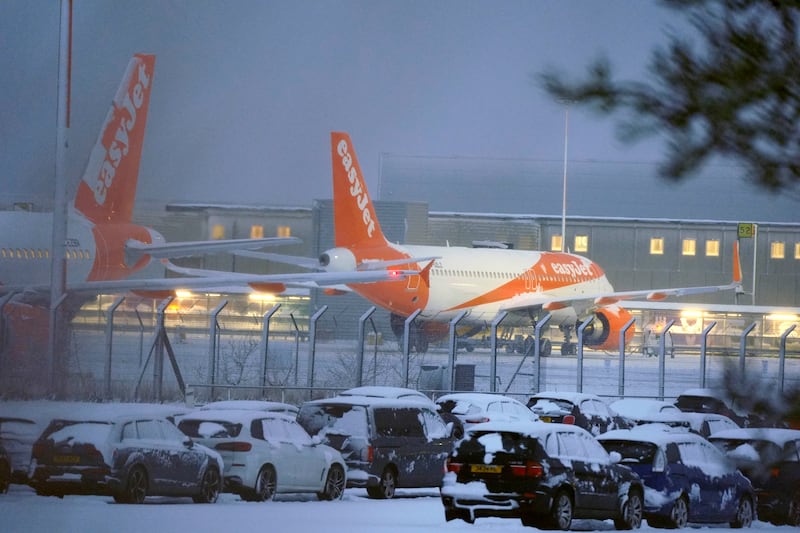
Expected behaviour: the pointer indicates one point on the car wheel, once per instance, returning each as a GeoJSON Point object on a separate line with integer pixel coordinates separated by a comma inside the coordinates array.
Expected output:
{"type": "Point", "coordinates": [744, 513]}
{"type": "Point", "coordinates": [5, 477]}
{"type": "Point", "coordinates": [793, 513]}
{"type": "Point", "coordinates": [679, 515]}
{"type": "Point", "coordinates": [209, 486]}
{"type": "Point", "coordinates": [385, 489]}
{"type": "Point", "coordinates": [334, 484]}
{"type": "Point", "coordinates": [135, 490]}
{"type": "Point", "coordinates": [561, 512]}
{"type": "Point", "coordinates": [632, 511]}
{"type": "Point", "coordinates": [266, 482]}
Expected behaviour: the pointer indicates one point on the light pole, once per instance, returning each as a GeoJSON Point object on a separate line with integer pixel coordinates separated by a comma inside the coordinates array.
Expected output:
{"type": "Point", "coordinates": [564, 198]}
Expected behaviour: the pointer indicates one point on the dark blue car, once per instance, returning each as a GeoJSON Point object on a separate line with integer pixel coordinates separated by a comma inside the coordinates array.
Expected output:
{"type": "Point", "coordinates": [686, 478]}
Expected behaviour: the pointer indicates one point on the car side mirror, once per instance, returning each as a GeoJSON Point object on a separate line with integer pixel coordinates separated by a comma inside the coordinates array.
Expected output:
{"type": "Point", "coordinates": [615, 457]}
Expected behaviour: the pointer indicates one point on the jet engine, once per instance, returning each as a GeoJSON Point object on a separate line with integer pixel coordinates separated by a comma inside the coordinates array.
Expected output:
{"type": "Point", "coordinates": [602, 333]}
{"type": "Point", "coordinates": [338, 260]}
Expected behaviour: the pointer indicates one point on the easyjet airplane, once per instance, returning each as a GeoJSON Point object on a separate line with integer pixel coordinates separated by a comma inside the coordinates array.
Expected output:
{"type": "Point", "coordinates": [483, 281]}
{"type": "Point", "coordinates": [103, 246]}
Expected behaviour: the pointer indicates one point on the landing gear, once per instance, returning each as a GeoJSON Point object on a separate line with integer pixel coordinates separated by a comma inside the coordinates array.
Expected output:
{"type": "Point", "coordinates": [568, 347]}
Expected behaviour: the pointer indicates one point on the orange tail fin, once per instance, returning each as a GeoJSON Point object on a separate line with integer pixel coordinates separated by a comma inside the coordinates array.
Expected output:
{"type": "Point", "coordinates": [107, 191]}
{"type": "Point", "coordinates": [354, 219]}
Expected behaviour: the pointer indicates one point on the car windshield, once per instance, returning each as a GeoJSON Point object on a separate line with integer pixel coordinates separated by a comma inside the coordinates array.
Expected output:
{"type": "Point", "coordinates": [340, 419]}
{"type": "Point", "coordinates": [632, 452]}
{"type": "Point", "coordinates": [549, 405]}
{"type": "Point", "coordinates": [497, 447]}
{"type": "Point", "coordinates": [79, 432]}
{"type": "Point", "coordinates": [210, 429]}
{"type": "Point", "coordinates": [762, 451]}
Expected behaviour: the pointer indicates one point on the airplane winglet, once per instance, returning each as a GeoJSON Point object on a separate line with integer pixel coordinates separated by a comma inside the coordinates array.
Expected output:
{"type": "Point", "coordinates": [737, 264]}
{"type": "Point", "coordinates": [425, 273]}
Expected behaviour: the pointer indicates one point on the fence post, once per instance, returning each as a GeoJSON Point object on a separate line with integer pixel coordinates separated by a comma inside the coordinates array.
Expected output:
{"type": "Point", "coordinates": [109, 341]}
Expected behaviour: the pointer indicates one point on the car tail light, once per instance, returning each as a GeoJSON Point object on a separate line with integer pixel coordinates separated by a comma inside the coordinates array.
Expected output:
{"type": "Point", "coordinates": [452, 467]}
{"type": "Point", "coordinates": [370, 454]}
{"type": "Point", "coordinates": [236, 446]}
{"type": "Point", "coordinates": [530, 469]}
{"type": "Point", "coordinates": [774, 471]}
{"type": "Point", "coordinates": [568, 419]}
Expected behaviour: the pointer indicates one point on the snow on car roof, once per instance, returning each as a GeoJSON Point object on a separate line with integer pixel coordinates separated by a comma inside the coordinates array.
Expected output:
{"type": "Point", "coordinates": [530, 428]}
{"type": "Point", "coordinates": [380, 391]}
{"type": "Point", "coordinates": [262, 405]}
{"type": "Point", "coordinates": [369, 400]}
{"type": "Point", "coordinates": [659, 434]}
{"type": "Point", "coordinates": [479, 398]}
{"type": "Point", "coordinates": [779, 436]}
{"type": "Point", "coordinates": [574, 397]}
{"type": "Point", "coordinates": [242, 416]}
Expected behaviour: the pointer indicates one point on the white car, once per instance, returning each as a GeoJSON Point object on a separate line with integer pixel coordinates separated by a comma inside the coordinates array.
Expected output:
{"type": "Point", "coordinates": [258, 405]}
{"type": "Point", "coordinates": [380, 391]}
{"type": "Point", "coordinates": [267, 453]}
{"type": "Point", "coordinates": [466, 409]}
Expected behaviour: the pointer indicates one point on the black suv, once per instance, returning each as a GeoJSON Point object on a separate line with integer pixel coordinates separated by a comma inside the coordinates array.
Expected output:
{"type": "Point", "coordinates": [386, 443]}
{"type": "Point", "coordinates": [543, 474]}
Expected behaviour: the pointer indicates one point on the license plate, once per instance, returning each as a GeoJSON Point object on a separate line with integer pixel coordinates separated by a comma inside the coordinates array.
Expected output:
{"type": "Point", "coordinates": [486, 469]}
{"type": "Point", "coordinates": [66, 459]}
{"type": "Point", "coordinates": [545, 419]}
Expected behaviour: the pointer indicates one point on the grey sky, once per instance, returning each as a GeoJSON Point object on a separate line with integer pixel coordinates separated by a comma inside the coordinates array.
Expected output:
{"type": "Point", "coordinates": [246, 92]}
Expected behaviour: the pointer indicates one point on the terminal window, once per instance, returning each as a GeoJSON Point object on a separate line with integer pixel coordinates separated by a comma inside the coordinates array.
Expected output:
{"type": "Point", "coordinates": [555, 243]}
{"type": "Point", "coordinates": [657, 246]}
{"type": "Point", "coordinates": [217, 231]}
{"type": "Point", "coordinates": [712, 248]}
{"type": "Point", "coordinates": [777, 250]}
{"type": "Point", "coordinates": [284, 231]}
{"type": "Point", "coordinates": [689, 247]}
{"type": "Point", "coordinates": [581, 243]}
{"type": "Point", "coordinates": [797, 250]}
{"type": "Point", "coordinates": [256, 231]}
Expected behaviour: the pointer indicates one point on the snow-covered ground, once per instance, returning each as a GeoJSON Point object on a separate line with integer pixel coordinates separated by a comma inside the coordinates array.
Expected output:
{"type": "Point", "coordinates": [412, 511]}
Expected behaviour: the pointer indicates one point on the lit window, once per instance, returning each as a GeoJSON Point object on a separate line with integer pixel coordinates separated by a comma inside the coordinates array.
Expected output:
{"type": "Point", "coordinates": [581, 243]}
{"type": "Point", "coordinates": [284, 231]}
{"type": "Point", "coordinates": [218, 232]}
{"type": "Point", "coordinates": [256, 232]}
{"type": "Point", "coordinates": [689, 247]}
{"type": "Point", "coordinates": [797, 250]}
{"type": "Point", "coordinates": [712, 248]}
{"type": "Point", "coordinates": [3, 253]}
{"type": "Point", "coordinates": [657, 246]}
{"type": "Point", "coordinates": [777, 250]}
{"type": "Point", "coordinates": [555, 243]}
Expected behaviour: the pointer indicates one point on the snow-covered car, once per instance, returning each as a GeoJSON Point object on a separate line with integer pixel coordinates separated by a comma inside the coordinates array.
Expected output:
{"type": "Point", "coordinates": [258, 405]}
{"type": "Point", "coordinates": [267, 453]}
{"type": "Point", "coordinates": [585, 410]}
{"type": "Point", "coordinates": [17, 436]}
{"type": "Point", "coordinates": [128, 457]}
{"type": "Point", "coordinates": [648, 411]}
{"type": "Point", "coordinates": [686, 478]}
{"type": "Point", "coordinates": [543, 474]}
{"type": "Point", "coordinates": [705, 424]}
{"type": "Point", "coordinates": [387, 443]}
{"type": "Point", "coordinates": [465, 409]}
{"type": "Point", "coordinates": [770, 457]}
{"type": "Point", "coordinates": [710, 401]}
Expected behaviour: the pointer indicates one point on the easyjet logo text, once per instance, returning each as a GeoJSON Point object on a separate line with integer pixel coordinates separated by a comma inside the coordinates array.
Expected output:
{"type": "Point", "coordinates": [571, 269]}
{"type": "Point", "coordinates": [357, 190]}
{"type": "Point", "coordinates": [117, 147]}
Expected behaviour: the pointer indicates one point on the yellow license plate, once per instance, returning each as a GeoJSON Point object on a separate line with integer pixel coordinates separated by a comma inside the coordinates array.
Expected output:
{"type": "Point", "coordinates": [66, 459]}
{"type": "Point", "coordinates": [545, 419]}
{"type": "Point", "coordinates": [486, 469]}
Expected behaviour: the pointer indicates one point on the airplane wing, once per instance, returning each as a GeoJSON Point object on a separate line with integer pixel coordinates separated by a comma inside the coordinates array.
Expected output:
{"type": "Point", "coordinates": [135, 249]}
{"type": "Point", "coordinates": [583, 303]}
{"type": "Point", "coordinates": [313, 264]}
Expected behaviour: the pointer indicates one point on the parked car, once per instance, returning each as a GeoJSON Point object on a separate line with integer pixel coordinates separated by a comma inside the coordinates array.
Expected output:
{"type": "Point", "coordinates": [267, 453]}
{"type": "Point", "coordinates": [17, 436]}
{"type": "Point", "coordinates": [648, 411]}
{"type": "Point", "coordinates": [128, 457]}
{"type": "Point", "coordinates": [466, 409]}
{"type": "Point", "coordinates": [770, 457]}
{"type": "Point", "coordinates": [387, 443]}
{"type": "Point", "coordinates": [5, 470]}
{"type": "Point", "coordinates": [258, 405]}
{"type": "Point", "coordinates": [710, 401]}
{"type": "Point", "coordinates": [543, 474]}
{"type": "Point", "coordinates": [686, 478]}
{"type": "Point", "coordinates": [588, 411]}
{"type": "Point", "coordinates": [705, 424]}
